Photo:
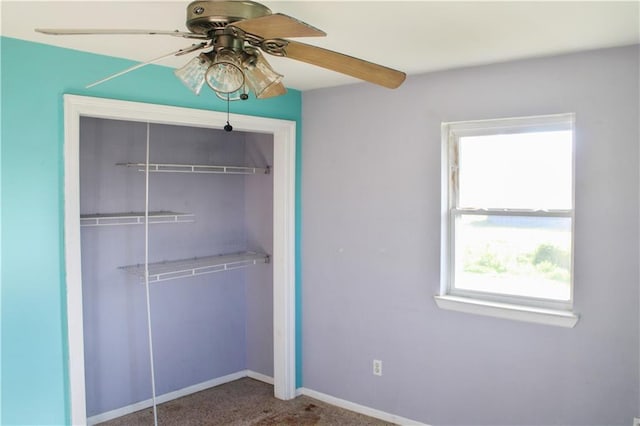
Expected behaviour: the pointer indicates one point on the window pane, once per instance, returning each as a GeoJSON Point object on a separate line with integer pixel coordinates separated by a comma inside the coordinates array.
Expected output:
{"type": "Point", "coordinates": [514, 255]}
{"type": "Point", "coordinates": [518, 171]}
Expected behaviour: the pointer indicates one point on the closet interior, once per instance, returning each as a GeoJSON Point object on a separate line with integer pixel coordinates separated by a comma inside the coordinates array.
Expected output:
{"type": "Point", "coordinates": [208, 198]}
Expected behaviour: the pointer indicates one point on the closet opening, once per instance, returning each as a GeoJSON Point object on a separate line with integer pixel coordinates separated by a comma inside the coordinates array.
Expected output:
{"type": "Point", "coordinates": [210, 215]}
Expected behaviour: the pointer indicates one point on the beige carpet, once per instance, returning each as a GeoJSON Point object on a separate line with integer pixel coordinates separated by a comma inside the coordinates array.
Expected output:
{"type": "Point", "coordinates": [244, 402]}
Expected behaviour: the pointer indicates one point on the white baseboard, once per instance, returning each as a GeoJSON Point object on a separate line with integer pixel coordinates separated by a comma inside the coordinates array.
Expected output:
{"type": "Point", "coordinates": [352, 406]}
{"type": "Point", "coordinates": [119, 412]}
{"type": "Point", "coordinates": [348, 405]}
{"type": "Point", "coordinates": [259, 376]}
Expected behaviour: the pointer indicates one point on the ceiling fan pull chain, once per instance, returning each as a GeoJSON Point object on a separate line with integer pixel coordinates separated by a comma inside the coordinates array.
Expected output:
{"type": "Point", "coordinates": [228, 127]}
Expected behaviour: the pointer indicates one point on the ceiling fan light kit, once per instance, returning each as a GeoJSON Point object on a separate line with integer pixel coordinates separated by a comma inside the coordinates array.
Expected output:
{"type": "Point", "coordinates": [231, 33]}
{"type": "Point", "coordinates": [261, 78]}
{"type": "Point", "coordinates": [229, 74]}
{"type": "Point", "coordinates": [192, 74]}
{"type": "Point", "coordinates": [225, 74]}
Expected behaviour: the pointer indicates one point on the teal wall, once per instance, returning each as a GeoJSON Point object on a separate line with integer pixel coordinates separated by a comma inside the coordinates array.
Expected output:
{"type": "Point", "coordinates": [34, 371]}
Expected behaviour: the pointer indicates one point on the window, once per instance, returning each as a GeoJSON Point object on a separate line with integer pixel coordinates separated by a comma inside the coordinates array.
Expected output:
{"type": "Point", "coordinates": [507, 223]}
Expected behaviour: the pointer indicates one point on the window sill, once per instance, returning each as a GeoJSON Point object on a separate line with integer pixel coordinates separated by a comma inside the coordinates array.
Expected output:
{"type": "Point", "coordinates": [508, 311]}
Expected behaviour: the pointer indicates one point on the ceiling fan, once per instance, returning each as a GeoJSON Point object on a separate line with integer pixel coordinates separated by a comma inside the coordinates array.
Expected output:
{"type": "Point", "coordinates": [231, 34]}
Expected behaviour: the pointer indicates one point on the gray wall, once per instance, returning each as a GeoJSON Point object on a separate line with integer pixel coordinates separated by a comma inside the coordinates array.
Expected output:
{"type": "Point", "coordinates": [199, 323]}
{"type": "Point", "coordinates": [370, 266]}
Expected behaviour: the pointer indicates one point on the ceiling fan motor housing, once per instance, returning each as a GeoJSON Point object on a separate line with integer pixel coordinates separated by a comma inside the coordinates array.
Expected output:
{"type": "Point", "coordinates": [204, 16]}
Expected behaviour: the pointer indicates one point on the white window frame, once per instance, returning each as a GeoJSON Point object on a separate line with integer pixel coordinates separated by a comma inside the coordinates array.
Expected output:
{"type": "Point", "coordinates": [523, 308]}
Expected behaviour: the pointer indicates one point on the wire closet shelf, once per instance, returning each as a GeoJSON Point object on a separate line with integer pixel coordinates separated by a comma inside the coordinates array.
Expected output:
{"type": "Point", "coordinates": [183, 268]}
{"type": "Point", "coordinates": [197, 168]}
{"type": "Point", "coordinates": [134, 218]}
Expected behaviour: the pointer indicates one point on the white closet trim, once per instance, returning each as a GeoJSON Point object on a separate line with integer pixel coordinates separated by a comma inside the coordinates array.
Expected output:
{"type": "Point", "coordinates": [284, 145]}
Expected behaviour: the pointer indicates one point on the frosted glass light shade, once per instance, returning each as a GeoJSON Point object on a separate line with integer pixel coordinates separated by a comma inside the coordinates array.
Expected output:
{"type": "Point", "coordinates": [233, 96]}
{"type": "Point", "coordinates": [225, 75]}
{"type": "Point", "coordinates": [262, 79]}
{"type": "Point", "coordinates": [273, 90]}
{"type": "Point", "coordinates": [192, 73]}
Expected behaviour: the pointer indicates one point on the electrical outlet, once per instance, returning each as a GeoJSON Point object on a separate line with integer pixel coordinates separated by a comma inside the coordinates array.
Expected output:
{"type": "Point", "coordinates": [636, 421]}
{"type": "Point", "coordinates": [377, 367]}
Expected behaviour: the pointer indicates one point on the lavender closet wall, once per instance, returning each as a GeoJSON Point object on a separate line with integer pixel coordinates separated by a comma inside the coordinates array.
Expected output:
{"type": "Point", "coordinates": [259, 289]}
{"type": "Point", "coordinates": [203, 327]}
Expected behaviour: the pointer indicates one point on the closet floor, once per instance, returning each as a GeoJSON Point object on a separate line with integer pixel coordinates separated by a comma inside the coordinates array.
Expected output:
{"type": "Point", "coordinates": [244, 402]}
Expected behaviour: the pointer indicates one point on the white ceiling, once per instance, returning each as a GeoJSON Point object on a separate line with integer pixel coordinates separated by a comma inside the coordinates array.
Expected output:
{"type": "Point", "coordinates": [411, 36]}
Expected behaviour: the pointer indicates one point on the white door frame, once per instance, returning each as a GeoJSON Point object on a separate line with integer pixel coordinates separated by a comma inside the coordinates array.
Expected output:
{"type": "Point", "coordinates": [284, 148]}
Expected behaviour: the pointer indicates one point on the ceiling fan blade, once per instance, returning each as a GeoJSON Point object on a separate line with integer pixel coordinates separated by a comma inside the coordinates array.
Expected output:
{"type": "Point", "coordinates": [278, 25]}
{"type": "Point", "coordinates": [59, 31]}
{"type": "Point", "coordinates": [344, 64]}
{"type": "Point", "coordinates": [179, 52]}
